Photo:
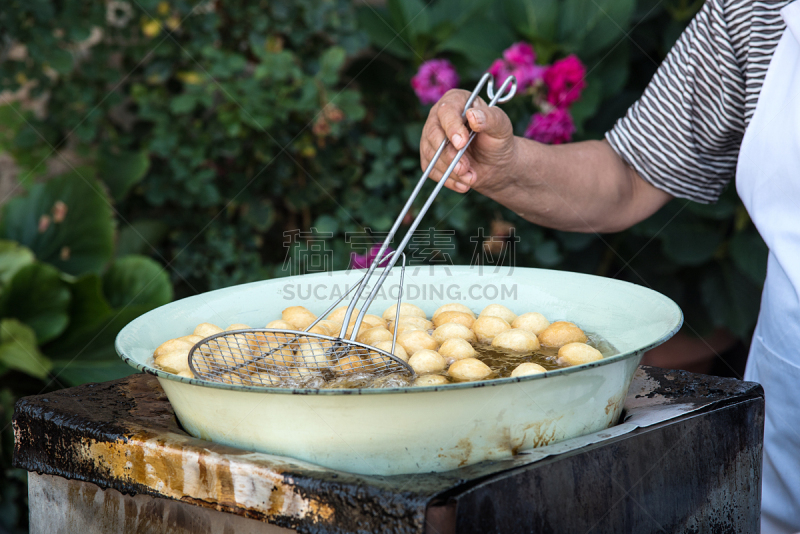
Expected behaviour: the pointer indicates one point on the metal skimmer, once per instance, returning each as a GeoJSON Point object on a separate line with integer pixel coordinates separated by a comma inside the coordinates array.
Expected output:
{"type": "Point", "coordinates": [290, 358]}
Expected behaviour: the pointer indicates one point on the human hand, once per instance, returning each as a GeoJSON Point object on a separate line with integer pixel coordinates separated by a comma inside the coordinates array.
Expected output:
{"type": "Point", "coordinates": [489, 158]}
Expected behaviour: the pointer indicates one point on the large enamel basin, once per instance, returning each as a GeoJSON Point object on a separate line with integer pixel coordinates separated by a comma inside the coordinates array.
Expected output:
{"type": "Point", "coordinates": [411, 430]}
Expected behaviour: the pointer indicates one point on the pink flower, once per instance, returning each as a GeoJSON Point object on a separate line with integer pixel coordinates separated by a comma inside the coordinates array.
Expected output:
{"type": "Point", "coordinates": [519, 61]}
{"type": "Point", "coordinates": [552, 128]}
{"type": "Point", "coordinates": [362, 261]}
{"type": "Point", "coordinates": [520, 54]}
{"type": "Point", "coordinates": [434, 78]}
{"type": "Point", "coordinates": [565, 79]}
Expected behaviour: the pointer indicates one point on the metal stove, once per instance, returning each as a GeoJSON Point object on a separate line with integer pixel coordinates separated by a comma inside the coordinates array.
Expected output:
{"type": "Point", "coordinates": [111, 457]}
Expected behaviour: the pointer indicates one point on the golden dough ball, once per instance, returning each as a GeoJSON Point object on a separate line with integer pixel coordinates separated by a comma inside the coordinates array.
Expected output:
{"type": "Point", "coordinates": [264, 378]}
{"type": "Point", "coordinates": [453, 330]}
{"type": "Point", "coordinates": [311, 351]}
{"type": "Point", "coordinates": [186, 374]}
{"type": "Point", "coordinates": [405, 309]}
{"type": "Point", "coordinates": [173, 345]}
{"type": "Point", "coordinates": [560, 333]}
{"type": "Point", "coordinates": [331, 327]}
{"type": "Point", "coordinates": [386, 346]}
{"type": "Point", "coordinates": [532, 322]}
{"type": "Point", "coordinates": [374, 320]}
{"type": "Point", "coordinates": [404, 327]}
{"type": "Point", "coordinates": [374, 335]}
{"type": "Point", "coordinates": [528, 368]}
{"type": "Point", "coordinates": [232, 378]}
{"type": "Point", "coordinates": [192, 338]}
{"type": "Point", "coordinates": [362, 328]}
{"type": "Point", "coordinates": [486, 327]}
{"type": "Point", "coordinates": [349, 364]}
{"type": "Point", "coordinates": [272, 340]}
{"type": "Point", "coordinates": [453, 317]}
{"type": "Point", "coordinates": [298, 316]}
{"type": "Point", "coordinates": [416, 340]}
{"type": "Point", "coordinates": [173, 362]}
{"type": "Point", "coordinates": [498, 310]}
{"type": "Point", "coordinates": [205, 330]}
{"type": "Point", "coordinates": [338, 314]}
{"type": "Point", "coordinates": [280, 324]}
{"type": "Point", "coordinates": [469, 369]}
{"type": "Point", "coordinates": [454, 306]}
{"type": "Point", "coordinates": [456, 348]}
{"type": "Point", "coordinates": [516, 340]}
{"type": "Point", "coordinates": [237, 326]}
{"type": "Point", "coordinates": [578, 353]}
{"type": "Point", "coordinates": [318, 329]}
{"type": "Point", "coordinates": [431, 380]}
{"type": "Point", "coordinates": [427, 361]}
{"type": "Point", "coordinates": [419, 323]}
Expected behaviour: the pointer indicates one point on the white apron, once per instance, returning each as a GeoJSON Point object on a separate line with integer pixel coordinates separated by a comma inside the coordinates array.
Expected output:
{"type": "Point", "coordinates": [768, 182]}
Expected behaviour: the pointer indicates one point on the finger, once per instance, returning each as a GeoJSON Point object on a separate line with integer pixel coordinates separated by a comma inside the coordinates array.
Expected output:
{"type": "Point", "coordinates": [448, 110]}
{"type": "Point", "coordinates": [451, 183]}
{"type": "Point", "coordinates": [491, 121]}
{"type": "Point", "coordinates": [447, 157]}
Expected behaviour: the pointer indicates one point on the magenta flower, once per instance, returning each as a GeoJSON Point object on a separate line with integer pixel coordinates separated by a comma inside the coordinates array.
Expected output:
{"type": "Point", "coordinates": [518, 60]}
{"type": "Point", "coordinates": [520, 54]}
{"type": "Point", "coordinates": [565, 80]}
{"type": "Point", "coordinates": [434, 78]}
{"type": "Point", "coordinates": [552, 128]}
{"type": "Point", "coordinates": [362, 261]}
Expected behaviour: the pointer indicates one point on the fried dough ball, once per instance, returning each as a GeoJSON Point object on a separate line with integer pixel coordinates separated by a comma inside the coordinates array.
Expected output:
{"type": "Point", "coordinates": [374, 335]}
{"type": "Point", "coordinates": [374, 320]}
{"type": "Point", "coordinates": [174, 362]}
{"type": "Point", "coordinates": [338, 314]}
{"type": "Point", "coordinates": [173, 345]}
{"type": "Point", "coordinates": [298, 316]}
{"type": "Point", "coordinates": [273, 340]}
{"type": "Point", "coordinates": [237, 326]}
{"type": "Point", "coordinates": [578, 353]}
{"type": "Point", "coordinates": [205, 330]}
{"type": "Point", "coordinates": [453, 330]}
{"type": "Point", "coordinates": [410, 320]}
{"type": "Point", "coordinates": [348, 364]}
{"type": "Point", "coordinates": [186, 374]}
{"type": "Point", "coordinates": [532, 322]}
{"type": "Point", "coordinates": [311, 351]}
{"type": "Point", "coordinates": [498, 310]}
{"type": "Point", "coordinates": [430, 380]}
{"type": "Point", "coordinates": [386, 346]}
{"type": "Point", "coordinates": [453, 306]}
{"type": "Point", "coordinates": [231, 378]}
{"type": "Point", "coordinates": [469, 369]}
{"type": "Point", "coordinates": [404, 327]}
{"type": "Point", "coordinates": [560, 333]}
{"type": "Point", "coordinates": [516, 340]}
{"type": "Point", "coordinates": [453, 317]}
{"type": "Point", "coordinates": [264, 378]}
{"type": "Point", "coordinates": [405, 309]}
{"type": "Point", "coordinates": [456, 348]}
{"type": "Point", "coordinates": [318, 329]}
{"type": "Point", "coordinates": [487, 327]}
{"type": "Point", "coordinates": [528, 368]}
{"type": "Point", "coordinates": [427, 361]}
{"type": "Point", "coordinates": [416, 340]}
{"type": "Point", "coordinates": [332, 327]}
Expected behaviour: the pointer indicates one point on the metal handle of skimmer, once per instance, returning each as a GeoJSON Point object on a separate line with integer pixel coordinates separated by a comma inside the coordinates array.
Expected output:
{"type": "Point", "coordinates": [504, 94]}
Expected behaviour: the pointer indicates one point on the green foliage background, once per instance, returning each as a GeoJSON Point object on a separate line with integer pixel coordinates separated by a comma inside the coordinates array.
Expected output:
{"type": "Point", "coordinates": [206, 130]}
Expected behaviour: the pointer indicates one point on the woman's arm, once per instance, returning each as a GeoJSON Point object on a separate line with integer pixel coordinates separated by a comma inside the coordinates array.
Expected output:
{"type": "Point", "coordinates": [579, 187]}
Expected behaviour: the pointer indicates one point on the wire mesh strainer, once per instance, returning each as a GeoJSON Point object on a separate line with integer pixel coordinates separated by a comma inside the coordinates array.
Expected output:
{"type": "Point", "coordinates": [270, 357]}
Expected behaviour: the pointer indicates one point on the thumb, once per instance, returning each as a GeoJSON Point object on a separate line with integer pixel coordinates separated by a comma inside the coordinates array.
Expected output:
{"type": "Point", "coordinates": [492, 121]}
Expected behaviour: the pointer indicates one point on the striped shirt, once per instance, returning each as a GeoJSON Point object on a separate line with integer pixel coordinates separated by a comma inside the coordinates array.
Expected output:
{"type": "Point", "coordinates": [683, 134]}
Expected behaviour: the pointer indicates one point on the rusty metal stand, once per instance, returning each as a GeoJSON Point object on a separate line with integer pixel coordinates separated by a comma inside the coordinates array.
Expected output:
{"type": "Point", "coordinates": [112, 458]}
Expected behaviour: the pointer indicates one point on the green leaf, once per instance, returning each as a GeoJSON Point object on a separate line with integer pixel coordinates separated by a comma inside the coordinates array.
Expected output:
{"type": "Point", "coordinates": [534, 19]}
{"type": "Point", "coordinates": [690, 244]}
{"type": "Point", "coordinates": [749, 254]}
{"type": "Point", "coordinates": [136, 281]}
{"type": "Point", "coordinates": [122, 171]}
{"type": "Point", "coordinates": [38, 297]}
{"type": "Point", "coordinates": [330, 62]}
{"type": "Point", "coordinates": [380, 32]}
{"type": "Point", "coordinates": [479, 46]}
{"type": "Point", "coordinates": [140, 237]}
{"type": "Point", "coordinates": [326, 224]}
{"type": "Point", "coordinates": [19, 351]}
{"type": "Point", "coordinates": [65, 222]}
{"type": "Point", "coordinates": [13, 257]}
{"type": "Point", "coordinates": [590, 26]}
